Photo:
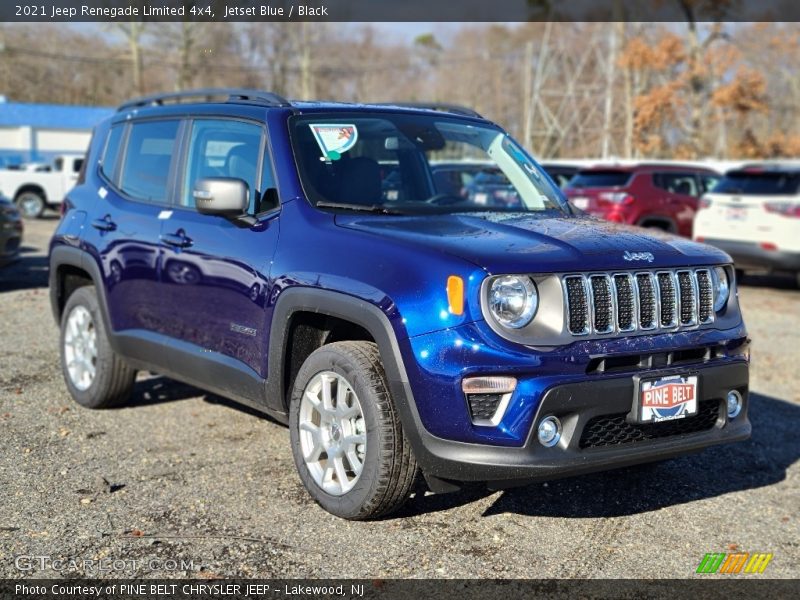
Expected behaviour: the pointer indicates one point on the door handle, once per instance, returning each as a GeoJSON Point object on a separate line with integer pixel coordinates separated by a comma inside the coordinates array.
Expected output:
{"type": "Point", "coordinates": [104, 224]}
{"type": "Point", "coordinates": [176, 240]}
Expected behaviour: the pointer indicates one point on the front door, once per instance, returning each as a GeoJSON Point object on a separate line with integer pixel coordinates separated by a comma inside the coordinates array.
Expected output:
{"type": "Point", "coordinates": [216, 273]}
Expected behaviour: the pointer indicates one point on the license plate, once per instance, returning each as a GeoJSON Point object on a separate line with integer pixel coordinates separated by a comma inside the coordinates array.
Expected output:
{"type": "Point", "coordinates": [667, 398]}
{"type": "Point", "coordinates": [736, 214]}
{"type": "Point", "coordinates": [580, 202]}
{"type": "Point", "coordinates": [481, 198]}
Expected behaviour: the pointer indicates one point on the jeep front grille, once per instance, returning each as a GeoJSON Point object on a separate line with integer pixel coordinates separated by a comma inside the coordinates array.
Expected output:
{"type": "Point", "coordinates": [605, 303]}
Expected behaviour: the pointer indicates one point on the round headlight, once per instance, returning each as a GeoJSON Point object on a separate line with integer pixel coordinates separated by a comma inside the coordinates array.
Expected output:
{"type": "Point", "coordinates": [722, 288]}
{"type": "Point", "coordinates": [513, 300]}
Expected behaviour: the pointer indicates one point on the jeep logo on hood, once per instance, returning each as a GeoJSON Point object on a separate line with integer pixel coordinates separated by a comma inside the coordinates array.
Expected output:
{"type": "Point", "coordinates": [631, 256]}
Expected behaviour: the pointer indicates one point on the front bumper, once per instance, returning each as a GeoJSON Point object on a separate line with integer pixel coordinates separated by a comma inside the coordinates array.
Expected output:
{"type": "Point", "coordinates": [576, 405]}
{"type": "Point", "coordinates": [751, 255]}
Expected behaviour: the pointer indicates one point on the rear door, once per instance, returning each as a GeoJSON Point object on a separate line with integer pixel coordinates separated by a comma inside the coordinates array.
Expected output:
{"type": "Point", "coordinates": [681, 193]}
{"type": "Point", "coordinates": [137, 166]}
{"type": "Point", "coordinates": [216, 273]}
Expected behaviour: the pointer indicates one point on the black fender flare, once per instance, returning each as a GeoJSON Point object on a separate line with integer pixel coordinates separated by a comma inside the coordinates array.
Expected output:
{"type": "Point", "coordinates": [75, 257]}
{"type": "Point", "coordinates": [375, 321]}
{"type": "Point", "coordinates": [334, 304]}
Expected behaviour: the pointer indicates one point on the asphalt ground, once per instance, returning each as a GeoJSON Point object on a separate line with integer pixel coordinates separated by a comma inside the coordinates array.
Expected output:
{"type": "Point", "coordinates": [183, 483]}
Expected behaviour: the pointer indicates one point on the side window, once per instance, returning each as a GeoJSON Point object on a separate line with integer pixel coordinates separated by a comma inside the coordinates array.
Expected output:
{"type": "Point", "coordinates": [77, 165]}
{"type": "Point", "coordinates": [111, 152]}
{"type": "Point", "coordinates": [145, 169]}
{"type": "Point", "coordinates": [226, 148]}
{"type": "Point", "coordinates": [676, 183]}
{"type": "Point", "coordinates": [708, 181]}
{"type": "Point", "coordinates": [58, 164]}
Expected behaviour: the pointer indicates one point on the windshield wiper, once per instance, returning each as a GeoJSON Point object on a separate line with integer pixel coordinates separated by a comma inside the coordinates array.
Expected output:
{"type": "Point", "coordinates": [372, 208]}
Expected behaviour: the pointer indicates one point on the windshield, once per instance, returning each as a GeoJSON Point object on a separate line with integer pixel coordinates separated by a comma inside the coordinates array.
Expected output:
{"type": "Point", "coordinates": [407, 163]}
{"type": "Point", "coordinates": [761, 184]}
{"type": "Point", "coordinates": [600, 179]}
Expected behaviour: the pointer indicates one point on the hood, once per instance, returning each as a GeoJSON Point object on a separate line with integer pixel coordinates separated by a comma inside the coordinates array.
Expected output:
{"type": "Point", "coordinates": [522, 243]}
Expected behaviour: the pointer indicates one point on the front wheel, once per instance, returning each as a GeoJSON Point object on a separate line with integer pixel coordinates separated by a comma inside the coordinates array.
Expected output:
{"type": "Point", "coordinates": [347, 440]}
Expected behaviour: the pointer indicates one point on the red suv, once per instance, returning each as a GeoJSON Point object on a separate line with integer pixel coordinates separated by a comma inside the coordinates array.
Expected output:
{"type": "Point", "coordinates": [648, 195]}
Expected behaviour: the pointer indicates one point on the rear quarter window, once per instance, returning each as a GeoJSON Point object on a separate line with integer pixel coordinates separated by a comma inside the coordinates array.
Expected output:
{"type": "Point", "coordinates": [108, 162]}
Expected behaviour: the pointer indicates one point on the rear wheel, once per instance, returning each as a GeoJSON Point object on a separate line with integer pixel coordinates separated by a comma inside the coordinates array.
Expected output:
{"type": "Point", "coordinates": [96, 377]}
{"type": "Point", "coordinates": [347, 440]}
{"type": "Point", "coordinates": [31, 204]}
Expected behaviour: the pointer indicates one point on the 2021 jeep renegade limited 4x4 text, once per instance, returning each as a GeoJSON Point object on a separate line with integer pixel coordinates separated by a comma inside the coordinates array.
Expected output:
{"type": "Point", "coordinates": [242, 243]}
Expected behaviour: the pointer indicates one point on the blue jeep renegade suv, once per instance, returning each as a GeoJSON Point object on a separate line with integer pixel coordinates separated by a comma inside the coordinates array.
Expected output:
{"type": "Point", "coordinates": [245, 244]}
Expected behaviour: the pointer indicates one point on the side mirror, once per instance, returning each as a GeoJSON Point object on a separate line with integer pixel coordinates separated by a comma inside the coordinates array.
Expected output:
{"type": "Point", "coordinates": [225, 197]}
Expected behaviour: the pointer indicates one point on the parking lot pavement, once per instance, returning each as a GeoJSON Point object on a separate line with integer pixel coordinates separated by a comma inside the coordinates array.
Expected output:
{"type": "Point", "coordinates": [187, 483]}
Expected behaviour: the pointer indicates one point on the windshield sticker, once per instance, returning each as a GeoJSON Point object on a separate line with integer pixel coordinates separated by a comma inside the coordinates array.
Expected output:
{"type": "Point", "coordinates": [334, 139]}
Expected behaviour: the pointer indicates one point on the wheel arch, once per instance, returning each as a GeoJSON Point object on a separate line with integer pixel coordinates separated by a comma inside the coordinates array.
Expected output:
{"type": "Point", "coordinates": [31, 187]}
{"type": "Point", "coordinates": [367, 320]}
{"type": "Point", "coordinates": [70, 269]}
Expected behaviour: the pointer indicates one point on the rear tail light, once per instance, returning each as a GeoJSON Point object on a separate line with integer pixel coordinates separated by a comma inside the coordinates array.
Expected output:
{"type": "Point", "coordinates": [787, 209]}
{"type": "Point", "coordinates": [768, 246]}
{"type": "Point", "coordinates": [699, 238]}
{"type": "Point", "coordinates": [616, 197]}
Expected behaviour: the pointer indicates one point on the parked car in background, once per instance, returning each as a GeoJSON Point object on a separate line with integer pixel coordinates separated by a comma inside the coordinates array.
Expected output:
{"type": "Point", "coordinates": [454, 177]}
{"type": "Point", "coordinates": [10, 232]}
{"type": "Point", "coordinates": [34, 190]}
{"type": "Point", "coordinates": [754, 215]}
{"type": "Point", "coordinates": [649, 195]}
{"type": "Point", "coordinates": [560, 173]}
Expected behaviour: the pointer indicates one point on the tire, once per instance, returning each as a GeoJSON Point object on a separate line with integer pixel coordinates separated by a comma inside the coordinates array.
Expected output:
{"type": "Point", "coordinates": [31, 204]}
{"type": "Point", "coordinates": [388, 467]}
{"type": "Point", "coordinates": [82, 328]}
{"type": "Point", "coordinates": [739, 276]}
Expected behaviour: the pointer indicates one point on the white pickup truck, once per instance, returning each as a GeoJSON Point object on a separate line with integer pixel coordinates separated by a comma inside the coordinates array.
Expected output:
{"type": "Point", "coordinates": [35, 190]}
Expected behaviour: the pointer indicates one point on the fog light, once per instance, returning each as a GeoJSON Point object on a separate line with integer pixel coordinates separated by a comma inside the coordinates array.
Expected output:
{"type": "Point", "coordinates": [549, 431]}
{"type": "Point", "coordinates": [734, 404]}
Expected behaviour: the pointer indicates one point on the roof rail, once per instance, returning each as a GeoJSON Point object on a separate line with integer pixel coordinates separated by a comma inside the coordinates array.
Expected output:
{"type": "Point", "coordinates": [231, 94]}
{"type": "Point", "coordinates": [438, 106]}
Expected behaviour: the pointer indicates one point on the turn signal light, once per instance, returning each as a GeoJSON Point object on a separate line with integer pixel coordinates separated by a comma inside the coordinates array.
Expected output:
{"type": "Point", "coordinates": [455, 295]}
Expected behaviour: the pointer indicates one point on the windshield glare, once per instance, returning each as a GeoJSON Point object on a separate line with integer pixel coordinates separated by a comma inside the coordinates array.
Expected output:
{"type": "Point", "coordinates": [412, 163]}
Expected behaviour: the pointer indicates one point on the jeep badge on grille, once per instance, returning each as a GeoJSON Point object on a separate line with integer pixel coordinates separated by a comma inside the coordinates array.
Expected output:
{"type": "Point", "coordinates": [631, 256]}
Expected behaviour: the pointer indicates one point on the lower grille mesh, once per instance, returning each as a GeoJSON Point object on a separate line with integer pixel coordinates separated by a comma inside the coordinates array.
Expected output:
{"type": "Point", "coordinates": [483, 406]}
{"type": "Point", "coordinates": [612, 430]}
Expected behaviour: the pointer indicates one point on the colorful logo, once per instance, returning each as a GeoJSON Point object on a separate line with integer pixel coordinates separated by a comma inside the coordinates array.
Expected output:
{"type": "Point", "coordinates": [732, 564]}
{"type": "Point", "coordinates": [334, 139]}
{"type": "Point", "coordinates": [669, 398]}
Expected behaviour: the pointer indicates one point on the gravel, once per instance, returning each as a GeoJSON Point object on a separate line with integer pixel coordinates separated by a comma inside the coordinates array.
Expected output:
{"type": "Point", "coordinates": [186, 483]}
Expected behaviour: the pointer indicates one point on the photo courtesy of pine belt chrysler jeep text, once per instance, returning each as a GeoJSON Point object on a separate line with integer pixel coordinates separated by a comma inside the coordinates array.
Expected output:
{"type": "Point", "coordinates": [244, 244]}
